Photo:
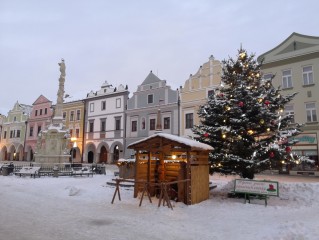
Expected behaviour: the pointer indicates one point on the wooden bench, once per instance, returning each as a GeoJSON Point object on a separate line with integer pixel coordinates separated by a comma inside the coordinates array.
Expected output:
{"type": "Point", "coordinates": [28, 171]}
{"type": "Point", "coordinates": [302, 173]}
{"type": "Point", "coordinates": [262, 189]}
{"type": "Point", "coordinates": [83, 171]}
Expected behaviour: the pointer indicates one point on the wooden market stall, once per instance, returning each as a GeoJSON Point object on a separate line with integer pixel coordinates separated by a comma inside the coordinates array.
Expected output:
{"type": "Point", "coordinates": [180, 163]}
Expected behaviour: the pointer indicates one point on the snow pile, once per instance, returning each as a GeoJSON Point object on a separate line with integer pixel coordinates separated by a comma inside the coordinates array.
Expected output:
{"type": "Point", "coordinates": [73, 191]}
{"type": "Point", "coordinates": [80, 208]}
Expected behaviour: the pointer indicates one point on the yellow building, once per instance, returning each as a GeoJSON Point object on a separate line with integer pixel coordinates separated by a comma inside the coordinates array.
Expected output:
{"type": "Point", "coordinates": [295, 64]}
{"type": "Point", "coordinates": [73, 114]}
{"type": "Point", "coordinates": [195, 93]}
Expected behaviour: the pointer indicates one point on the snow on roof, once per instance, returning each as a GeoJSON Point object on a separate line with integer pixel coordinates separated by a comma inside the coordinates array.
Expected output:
{"type": "Point", "coordinates": [186, 141]}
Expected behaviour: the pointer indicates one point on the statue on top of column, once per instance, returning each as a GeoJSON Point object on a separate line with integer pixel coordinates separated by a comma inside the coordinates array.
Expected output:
{"type": "Point", "coordinates": [62, 67]}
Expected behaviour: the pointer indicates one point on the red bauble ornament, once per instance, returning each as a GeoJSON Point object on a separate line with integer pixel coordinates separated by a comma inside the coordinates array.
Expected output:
{"type": "Point", "coordinates": [221, 95]}
{"type": "Point", "coordinates": [206, 135]}
{"type": "Point", "coordinates": [267, 102]}
{"type": "Point", "coordinates": [240, 104]}
{"type": "Point", "coordinates": [271, 154]}
{"type": "Point", "coordinates": [288, 149]}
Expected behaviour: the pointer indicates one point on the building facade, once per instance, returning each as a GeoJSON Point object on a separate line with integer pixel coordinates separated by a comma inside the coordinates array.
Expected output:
{"type": "Point", "coordinates": [295, 66]}
{"type": "Point", "coordinates": [39, 120]}
{"type": "Point", "coordinates": [195, 93]}
{"type": "Point", "coordinates": [73, 115]}
{"type": "Point", "coordinates": [14, 133]}
{"type": "Point", "coordinates": [2, 120]}
{"type": "Point", "coordinates": [142, 108]}
{"type": "Point", "coordinates": [104, 130]}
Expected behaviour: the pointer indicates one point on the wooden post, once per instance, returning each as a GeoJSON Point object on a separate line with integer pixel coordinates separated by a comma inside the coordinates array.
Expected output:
{"type": "Point", "coordinates": [188, 176]}
{"type": "Point", "coordinates": [161, 159]}
{"type": "Point", "coordinates": [145, 189]}
{"type": "Point", "coordinates": [149, 155]}
{"type": "Point", "coordinates": [117, 190]}
{"type": "Point", "coordinates": [137, 157]}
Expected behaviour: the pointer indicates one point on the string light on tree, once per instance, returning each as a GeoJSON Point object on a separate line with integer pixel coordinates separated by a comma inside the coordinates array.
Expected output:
{"type": "Point", "coordinates": [247, 112]}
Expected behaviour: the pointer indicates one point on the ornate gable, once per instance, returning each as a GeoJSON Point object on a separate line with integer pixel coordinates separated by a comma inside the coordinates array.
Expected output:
{"type": "Point", "coordinates": [295, 45]}
{"type": "Point", "coordinates": [41, 99]}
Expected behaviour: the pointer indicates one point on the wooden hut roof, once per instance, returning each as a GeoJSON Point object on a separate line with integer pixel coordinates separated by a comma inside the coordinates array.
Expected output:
{"type": "Point", "coordinates": [158, 140]}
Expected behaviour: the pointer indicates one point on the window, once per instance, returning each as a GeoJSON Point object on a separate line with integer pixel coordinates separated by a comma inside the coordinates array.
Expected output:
{"type": "Point", "coordinates": [36, 112]}
{"type": "Point", "coordinates": [267, 76]}
{"type": "Point", "coordinates": [64, 115]}
{"type": "Point", "coordinates": [189, 120]}
{"type": "Point", "coordinates": [77, 133]}
{"type": "Point", "coordinates": [71, 132]}
{"type": "Point", "coordinates": [11, 134]}
{"type": "Point", "coordinates": [91, 107]}
{"type": "Point", "coordinates": [152, 124]}
{"type": "Point", "coordinates": [117, 124]}
{"type": "Point", "coordinates": [5, 135]}
{"type": "Point", "coordinates": [15, 119]}
{"type": "Point", "coordinates": [103, 105]}
{"type": "Point", "coordinates": [307, 75]}
{"type": "Point", "coordinates": [210, 93]}
{"type": "Point", "coordinates": [18, 133]}
{"type": "Point", "coordinates": [45, 111]}
{"type": "Point", "coordinates": [91, 127]}
{"type": "Point", "coordinates": [167, 123]}
{"type": "Point", "coordinates": [311, 112]}
{"type": "Point", "coordinates": [289, 110]}
{"type": "Point", "coordinates": [72, 116]}
{"type": "Point", "coordinates": [118, 103]}
{"type": "Point", "coordinates": [103, 121]}
{"type": "Point", "coordinates": [143, 123]}
{"type": "Point", "coordinates": [39, 129]}
{"type": "Point", "coordinates": [31, 132]}
{"type": "Point", "coordinates": [134, 126]}
{"type": "Point", "coordinates": [150, 98]}
{"type": "Point", "coordinates": [40, 112]}
{"type": "Point", "coordinates": [286, 79]}
{"type": "Point", "coordinates": [78, 114]}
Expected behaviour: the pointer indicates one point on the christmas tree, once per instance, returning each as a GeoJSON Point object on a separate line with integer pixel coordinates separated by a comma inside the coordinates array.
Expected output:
{"type": "Point", "coordinates": [245, 121]}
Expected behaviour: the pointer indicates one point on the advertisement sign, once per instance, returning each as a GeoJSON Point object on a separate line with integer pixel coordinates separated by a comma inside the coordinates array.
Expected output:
{"type": "Point", "coordinates": [257, 187]}
{"type": "Point", "coordinates": [305, 138]}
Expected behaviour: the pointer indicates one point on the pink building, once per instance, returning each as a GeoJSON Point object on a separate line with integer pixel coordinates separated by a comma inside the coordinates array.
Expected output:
{"type": "Point", "coordinates": [39, 120]}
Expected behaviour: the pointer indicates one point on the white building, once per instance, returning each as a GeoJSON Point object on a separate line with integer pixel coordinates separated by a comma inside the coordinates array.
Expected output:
{"type": "Point", "coordinates": [104, 130]}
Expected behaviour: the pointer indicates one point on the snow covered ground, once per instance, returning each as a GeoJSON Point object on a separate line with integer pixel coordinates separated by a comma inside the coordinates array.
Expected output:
{"type": "Point", "coordinates": [79, 208]}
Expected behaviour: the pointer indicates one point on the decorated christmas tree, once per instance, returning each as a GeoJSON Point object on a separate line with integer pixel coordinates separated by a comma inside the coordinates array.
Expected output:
{"type": "Point", "coordinates": [245, 121]}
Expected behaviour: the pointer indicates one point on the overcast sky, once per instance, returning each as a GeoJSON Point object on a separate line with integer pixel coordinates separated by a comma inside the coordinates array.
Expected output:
{"type": "Point", "coordinates": [121, 41]}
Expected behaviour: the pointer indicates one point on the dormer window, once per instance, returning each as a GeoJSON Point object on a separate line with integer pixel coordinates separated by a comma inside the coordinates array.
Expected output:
{"type": "Point", "coordinates": [150, 98]}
